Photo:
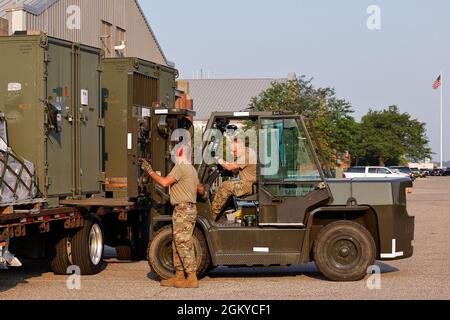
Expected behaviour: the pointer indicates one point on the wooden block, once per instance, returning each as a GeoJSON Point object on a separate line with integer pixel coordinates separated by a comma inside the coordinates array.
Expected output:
{"type": "Point", "coordinates": [37, 206]}
{"type": "Point", "coordinates": [113, 184]}
{"type": "Point", "coordinates": [6, 210]}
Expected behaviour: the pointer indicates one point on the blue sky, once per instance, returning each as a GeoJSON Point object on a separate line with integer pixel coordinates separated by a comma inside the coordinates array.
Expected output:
{"type": "Point", "coordinates": [326, 40]}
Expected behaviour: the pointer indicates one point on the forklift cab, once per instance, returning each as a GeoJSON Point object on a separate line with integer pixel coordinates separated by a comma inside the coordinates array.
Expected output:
{"type": "Point", "coordinates": [290, 181]}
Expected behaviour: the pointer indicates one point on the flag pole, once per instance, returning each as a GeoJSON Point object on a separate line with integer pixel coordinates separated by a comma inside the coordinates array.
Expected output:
{"type": "Point", "coordinates": [442, 120]}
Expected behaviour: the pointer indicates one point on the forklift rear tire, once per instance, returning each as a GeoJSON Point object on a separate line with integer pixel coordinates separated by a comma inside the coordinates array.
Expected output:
{"type": "Point", "coordinates": [88, 247]}
{"type": "Point", "coordinates": [160, 253]}
{"type": "Point", "coordinates": [344, 250]}
{"type": "Point", "coordinates": [58, 248]}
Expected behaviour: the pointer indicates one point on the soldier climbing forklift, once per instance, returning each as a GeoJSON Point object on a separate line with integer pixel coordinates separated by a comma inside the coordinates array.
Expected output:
{"type": "Point", "coordinates": [297, 214]}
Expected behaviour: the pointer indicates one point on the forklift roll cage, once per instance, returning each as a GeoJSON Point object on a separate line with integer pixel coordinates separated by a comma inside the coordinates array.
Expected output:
{"type": "Point", "coordinates": [321, 195]}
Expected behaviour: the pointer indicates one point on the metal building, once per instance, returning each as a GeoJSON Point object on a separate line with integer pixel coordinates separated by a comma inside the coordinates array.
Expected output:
{"type": "Point", "coordinates": [227, 95]}
{"type": "Point", "coordinates": [119, 27]}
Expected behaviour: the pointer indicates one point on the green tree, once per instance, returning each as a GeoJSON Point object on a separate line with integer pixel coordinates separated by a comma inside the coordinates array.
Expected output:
{"type": "Point", "coordinates": [389, 137]}
{"type": "Point", "coordinates": [332, 117]}
{"type": "Point", "coordinates": [385, 137]}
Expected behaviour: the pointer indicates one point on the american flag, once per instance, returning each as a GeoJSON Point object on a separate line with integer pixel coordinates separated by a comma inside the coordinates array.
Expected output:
{"type": "Point", "coordinates": [437, 83]}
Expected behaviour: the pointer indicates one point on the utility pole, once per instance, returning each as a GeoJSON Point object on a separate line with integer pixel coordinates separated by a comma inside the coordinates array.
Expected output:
{"type": "Point", "coordinates": [442, 120]}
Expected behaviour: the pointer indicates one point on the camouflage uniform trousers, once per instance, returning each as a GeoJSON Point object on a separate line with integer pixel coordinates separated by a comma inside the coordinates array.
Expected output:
{"type": "Point", "coordinates": [184, 219]}
{"type": "Point", "coordinates": [228, 189]}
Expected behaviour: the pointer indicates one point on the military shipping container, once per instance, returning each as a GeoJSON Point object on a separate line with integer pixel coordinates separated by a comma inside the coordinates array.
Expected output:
{"type": "Point", "coordinates": [50, 96]}
{"type": "Point", "coordinates": [131, 90]}
{"type": "Point", "coordinates": [73, 129]}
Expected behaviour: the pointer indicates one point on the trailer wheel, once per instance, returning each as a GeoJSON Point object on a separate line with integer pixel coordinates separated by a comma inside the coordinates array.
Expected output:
{"type": "Point", "coordinates": [88, 247]}
{"type": "Point", "coordinates": [160, 253]}
{"type": "Point", "coordinates": [344, 250]}
{"type": "Point", "coordinates": [58, 251]}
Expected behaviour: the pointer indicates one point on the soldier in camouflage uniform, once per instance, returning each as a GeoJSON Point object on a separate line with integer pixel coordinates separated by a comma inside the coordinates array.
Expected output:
{"type": "Point", "coordinates": [184, 187]}
{"type": "Point", "coordinates": [245, 166]}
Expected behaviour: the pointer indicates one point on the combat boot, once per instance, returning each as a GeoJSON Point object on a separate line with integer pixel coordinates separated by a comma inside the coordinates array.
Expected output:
{"type": "Point", "coordinates": [179, 276]}
{"type": "Point", "coordinates": [190, 283]}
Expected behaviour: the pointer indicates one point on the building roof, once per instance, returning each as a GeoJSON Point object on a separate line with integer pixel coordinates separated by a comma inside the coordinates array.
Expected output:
{"type": "Point", "coordinates": [225, 95]}
{"type": "Point", "coordinates": [37, 7]}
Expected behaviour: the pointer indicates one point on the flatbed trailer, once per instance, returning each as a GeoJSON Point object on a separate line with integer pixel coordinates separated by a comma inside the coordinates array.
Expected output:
{"type": "Point", "coordinates": [14, 224]}
{"type": "Point", "coordinates": [72, 234]}
{"type": "Point", "coordinates": [14, 218]}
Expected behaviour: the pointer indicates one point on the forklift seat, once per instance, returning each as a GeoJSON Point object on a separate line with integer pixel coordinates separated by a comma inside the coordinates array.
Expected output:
{"type": "Point", "coordinates": [250, 200]}
{"type": "Point", "coordinates": [251, 197]}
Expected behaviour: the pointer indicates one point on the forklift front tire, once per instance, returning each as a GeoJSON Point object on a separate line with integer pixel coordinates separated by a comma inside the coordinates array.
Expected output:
{"type": "Point", "coordinates": [344, 250]}
{"type": "Point", "coordinates": [160, 253]}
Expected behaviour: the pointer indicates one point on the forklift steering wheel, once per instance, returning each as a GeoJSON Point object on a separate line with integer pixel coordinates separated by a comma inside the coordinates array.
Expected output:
{"type": "Point", "coordinates": [224, 172]}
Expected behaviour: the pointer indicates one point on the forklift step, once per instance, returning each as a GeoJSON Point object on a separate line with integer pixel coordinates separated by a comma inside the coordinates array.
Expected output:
{"type": "Point", "coordinates": [227, 225]}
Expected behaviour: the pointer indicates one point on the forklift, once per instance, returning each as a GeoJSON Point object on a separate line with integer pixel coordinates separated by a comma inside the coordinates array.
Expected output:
{"type": "Point", "coordinates": [297, 213]}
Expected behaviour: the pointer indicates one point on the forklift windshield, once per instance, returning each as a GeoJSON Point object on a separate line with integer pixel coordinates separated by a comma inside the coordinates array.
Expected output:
{"type": "Point", "coordinates": [286, 155]}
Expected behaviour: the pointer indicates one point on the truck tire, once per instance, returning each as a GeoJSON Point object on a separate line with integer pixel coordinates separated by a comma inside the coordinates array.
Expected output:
{"type": "Point", "coordinates": [160, 253]}
{"type": "Point", "coordinates": [88, 247]}
{"type": "Point", "coordinates": [344, 250]}
{"type": "Point", "coordinates": [58, 250]}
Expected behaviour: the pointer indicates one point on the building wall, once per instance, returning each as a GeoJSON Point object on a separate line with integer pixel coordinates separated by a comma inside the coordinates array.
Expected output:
{"type": "Point", "coordinates": [427, 164]}
{"type": "Point", "coordinates": [124, 16]}
{"type": "Point", "coordinates": [3, 27]}
{"type": "Point", "coordinates": [184, 101]}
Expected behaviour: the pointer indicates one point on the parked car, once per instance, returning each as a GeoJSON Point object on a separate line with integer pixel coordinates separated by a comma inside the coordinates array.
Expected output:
{"type": "Point", "coordinates": [404, 170]}
{"type": "Point", "coordinates": [424, 173]}
{"type": "Point", "coordinates": [371, 172]}
{"type": "Point", "coordinates": [437, 173]}
{"type": "Point", "coordinates": [447, 172]}
{"type": "Point", "coordinates": [416, 172]}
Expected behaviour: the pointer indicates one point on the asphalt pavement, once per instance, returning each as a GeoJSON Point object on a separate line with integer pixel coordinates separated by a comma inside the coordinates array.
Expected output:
{"type": "Point", "coordinates": [425, 276]}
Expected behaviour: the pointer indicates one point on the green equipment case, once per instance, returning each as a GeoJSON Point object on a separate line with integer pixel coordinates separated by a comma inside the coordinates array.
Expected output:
{"type": "Point", "coordinates": [50, 96]}
{"type": "Point", "coordinates": [131, 91]}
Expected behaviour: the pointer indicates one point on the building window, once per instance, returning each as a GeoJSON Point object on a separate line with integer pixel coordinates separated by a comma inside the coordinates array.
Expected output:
{"type": "Point", "coordinates": [106, 39]}
{"type": "Point", "coordinates": [121, 40]}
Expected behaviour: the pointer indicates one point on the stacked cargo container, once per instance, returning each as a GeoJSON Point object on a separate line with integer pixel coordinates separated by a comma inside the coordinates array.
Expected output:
{"type": "Point", "coordinates": [50, 96]}
{"type": "Point", "coordinates": [83, 123]}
